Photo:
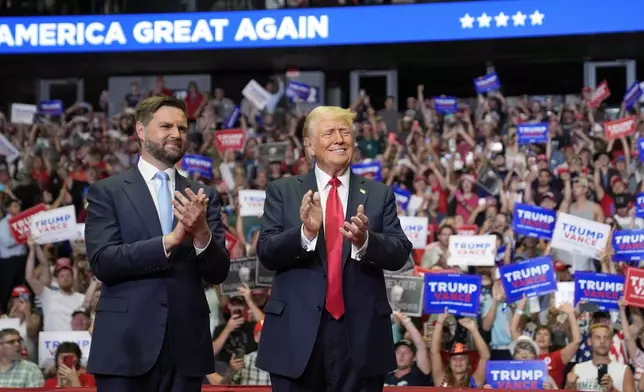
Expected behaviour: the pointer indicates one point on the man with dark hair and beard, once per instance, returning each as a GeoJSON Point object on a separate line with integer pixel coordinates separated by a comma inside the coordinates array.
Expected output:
{"type": "Point", "coordinates": [152, 237]}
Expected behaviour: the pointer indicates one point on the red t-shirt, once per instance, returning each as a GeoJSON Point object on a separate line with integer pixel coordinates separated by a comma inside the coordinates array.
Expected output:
{"type": "Point", "coordinates": [192, 104]}
{"type": "Point", "coordinates": [86, 380]}
{"type": "Point", "coordinates": [555, 366]}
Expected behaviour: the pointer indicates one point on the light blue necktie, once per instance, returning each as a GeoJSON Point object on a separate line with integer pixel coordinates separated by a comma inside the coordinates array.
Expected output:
{"type": "Point", "coordinates": [165, 203]}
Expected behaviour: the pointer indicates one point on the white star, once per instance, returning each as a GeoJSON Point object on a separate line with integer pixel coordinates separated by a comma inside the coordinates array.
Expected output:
{"type": "Point", "coordinates": [467, 22]}
{"type": "Point", "coordinates": [484, 20]}
{"type": "Point", "coordinates": [501, 20]}
{"type": "Point", "coordinates": [519, 18]}
{"type": "Point", "coordinates": [536, 18]}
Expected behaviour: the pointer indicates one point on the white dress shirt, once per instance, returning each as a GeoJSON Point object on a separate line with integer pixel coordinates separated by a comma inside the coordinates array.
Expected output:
{"type": "Point", "coordinates": [324, 188]}
{"type": "Point", "coordinates": [149, 172]}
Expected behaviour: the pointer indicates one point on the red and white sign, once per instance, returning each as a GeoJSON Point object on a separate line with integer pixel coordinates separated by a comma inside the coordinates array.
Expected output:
{"type": "Point", "coordinates": [20, 224]}
{"type": "Point", "coordinates": [620, 128]}
{"type": "Point", "coordinates": [599, 95]}
{"type": "Point", "coordinates": [230, 139]}
{"type": "Point", "coordinates": [634, 291]}
{"type": "Point", "coordinates": [231, 246]}
{"type": "Point", "coordinates": [467, 230]}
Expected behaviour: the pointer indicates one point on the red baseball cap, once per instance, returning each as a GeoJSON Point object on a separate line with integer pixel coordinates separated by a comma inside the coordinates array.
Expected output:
{"type": "Point", "coordinates": [19, 290]}
{"type": "Point", "coordinates": [63, 263]}
{"type": "Point", "coordinates": [560, 266]}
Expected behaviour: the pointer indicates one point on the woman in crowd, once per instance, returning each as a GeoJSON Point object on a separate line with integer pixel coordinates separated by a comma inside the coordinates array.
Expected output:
{"type": "Point", "coordinates": [69, 373]}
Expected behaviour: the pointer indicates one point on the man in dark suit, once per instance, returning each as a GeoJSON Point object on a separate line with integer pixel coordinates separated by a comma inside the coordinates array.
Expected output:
{"type": "Point", "coordinates": [327, 325]}
{"type": "Point", "coordinates": [152, 238]}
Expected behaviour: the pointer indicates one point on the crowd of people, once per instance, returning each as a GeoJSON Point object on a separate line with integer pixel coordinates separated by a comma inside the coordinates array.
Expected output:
{"type": "Point", "coordinates": [460, 168]}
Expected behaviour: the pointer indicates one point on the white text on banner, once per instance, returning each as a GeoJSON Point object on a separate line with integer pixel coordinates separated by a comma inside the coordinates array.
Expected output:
{"type": "Point", "coordinates": [55, 225]}
{"type": "Point", "coordinates": [579, 235]}
{"type": "Point", "coordinates": [476, 250]}
{"type": "Point", "coordinates": [251, 202]}
{"type": "Point", "coordinates": [415, 227]}
{"type": "Point", "coordinates": [48, 342]}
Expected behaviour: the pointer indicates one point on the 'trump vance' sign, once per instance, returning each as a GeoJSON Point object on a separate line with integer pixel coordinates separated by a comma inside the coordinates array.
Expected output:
{"type": "Point", "coordinates": [519, 375]}
{"type": "Point", "coordinates": [579, 235]}
{"type": "Point", "coordinates": [460, 294]}
{"type": "Point", "coordinates": [530, 278]}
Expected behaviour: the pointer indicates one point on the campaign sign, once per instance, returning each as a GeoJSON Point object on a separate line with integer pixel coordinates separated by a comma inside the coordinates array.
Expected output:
{"type": "Point", "coordinates": [565, 294]}
{"type": "Point", "coordinates": [599, 95]}
{"type": "Point", "coordinates": [579, 235]}
{"type": "Point", "coordinates": [405, 294]}
{"type": "Point", "coordinates": [241, 272]}
{"type": "Point", "coordinates": [487, 83]}
{"type": "Point", "coordinates": [231, 120]}
{"type": "Point", "coordinates": [415, 228]}
{"type": "Point", "coordinates": [634, 291]}
{"type": "Point", "coordinates": [500, 254]}
{"type": "Point", "coordinates": [402, 197]}
{"type": "Point", "coordinates": [478, 250]}
{"type": "Point", "coordinates": [7, 149]}
{"type": "Point", "coordinates": [302, 92]}
{"type": "Point", "coordinates": [446, 105]}
{"type": "Point", "coordinates": [516, 375]}
{"type": "Point", "coordinates": [51, 226]}
{"type": "Point", "coordinates": [53, 107]}
{"type": "Point", "coordinates": [531, 278]}
{"type": "Point", "coordinates": [20, 224]}
{"type": "Point", "coordinates": [532, 133]}
{"type": "Point", "coordinates": [620, 128]}
{"type": "Point", "coordinates": [229, 139]}
{"type": "Point", "coordinates": [639, 203]}
{"type": "Point", "coordinates": [533, 221]}
{"type": "Point", "coordinates": [628, 245]}
{"type": "Point", "coordinates": [632, 95]}
{"type": "Point", "coordinates": [198, 164]}
{"type": "Point", "coordinates": [251, 202]}
{"type": "Point", "coordinates": [460, 294]}
{"type": "Point", "coordinates": [48, 342]}
{"type": "Point", "coordinates": [263, 276]}
{"type": "Point", "coordinates": [602, 289]}
{"type": "Point", "coordinates": [373, 169]}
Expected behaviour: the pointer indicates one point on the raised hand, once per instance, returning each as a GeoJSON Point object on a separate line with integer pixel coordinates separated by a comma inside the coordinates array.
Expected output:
{"type": "Point", "coordinates": [356, 229]}
{"type": "Point", "coordinates": [311, 214]}
{"type": "Point", "coordinates": [468, 323]}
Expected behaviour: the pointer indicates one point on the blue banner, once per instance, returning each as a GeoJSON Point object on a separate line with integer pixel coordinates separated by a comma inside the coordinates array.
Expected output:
{"type": "Point", "coordinates": [500, 254]}
{"type": "Point", "coordinates": [198, 164]}
{"type": "Point", "coordinates": [602, 289]}
{"type": "Point", "coordinates": [632, 95]}
{"type": "Point", "coordinates": [536, 133]}
{"type": "Point", "coordinates": [628, 245]}
{"type": "Point", "coordinates": [639, 205]}
{"type": "Point", "coordinates": [52, 107]}
{"type": "Point", "coordinates": [534, 221]}
{"type": "Point", "coordinates": [460, 294]}
{"type": "Point", "coordinates": [374, 168]}
{"type": "Point", "coordinates": [302, 92]}
{"type": "Point", "coordinates": [487, 83]}
{"type": "Point", "coordinates": [231, 120]}
{"type": "Point", "coordinates": [511, 375]}
{"type": "Point", "coordinates": [402, 197]}
{"type": "Point", "coordinates": [531, 278]}
{"type": "Point", "coordinates": [434, 22]}
{"type": "Point", "coordinates": [445, 105]}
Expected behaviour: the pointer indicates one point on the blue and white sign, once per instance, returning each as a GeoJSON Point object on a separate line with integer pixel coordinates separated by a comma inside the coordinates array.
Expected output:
{"type": "Point", "coordinates": [198, 164]}
{"type": "Point", "coordinates": [628, 245]}
{"type": "Point", "coordinates": [531, 278]}
{"type": "Point", "coordinates": [632, 95]}
{"type": "Point", "coordinates": [231, 120]}
{"type": "Point", "coordinates": [460, 294]}
{"type": "Point", "coordinates": [639, 205]}
{"type": "Point", "coordinates": [532, 133]}
{"type": "Point", "coordinates": [533, 221]}
{"type": "Point", "coordinates": [602, 289]}
{"type": "Point", "coordinates": [373, 168]}
{"type": "Point", "coordinates": [302, 92]}
{"type": "Point", "coordinates": [487, 83]}
{"type": "Point", "coordinates": [516, 375]}
{"type": "Point", "coordinates": [434, 22]}
{"type": "Point", "coordinates": [402, 197]}
{"type": "Point", "coordinates": [446, 105]}
{"type": "Point", "coordinates": [500, 254]}
{"type": "Point", "coordinates": [52, 107]}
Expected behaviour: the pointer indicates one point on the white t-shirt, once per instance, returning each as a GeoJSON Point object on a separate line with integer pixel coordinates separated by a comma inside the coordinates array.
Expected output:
{"type": "Point", "coordinates": [57, 309]}
{"type": "Point", "coordinates": [587, 373]}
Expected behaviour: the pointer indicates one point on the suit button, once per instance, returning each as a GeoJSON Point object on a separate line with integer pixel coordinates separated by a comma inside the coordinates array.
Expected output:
{"type": "Point", "coordinates": [164, 304]}
{"type": "Point", "coordinates": [319, 308]}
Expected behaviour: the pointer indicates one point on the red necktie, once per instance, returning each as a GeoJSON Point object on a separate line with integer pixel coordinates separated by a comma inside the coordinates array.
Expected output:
{"type": "Point", "coordinates": [333, 239]}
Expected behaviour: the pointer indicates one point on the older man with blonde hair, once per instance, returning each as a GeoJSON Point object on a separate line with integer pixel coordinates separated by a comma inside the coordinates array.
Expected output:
{"type": "Point", "coordinates": [329, 235]}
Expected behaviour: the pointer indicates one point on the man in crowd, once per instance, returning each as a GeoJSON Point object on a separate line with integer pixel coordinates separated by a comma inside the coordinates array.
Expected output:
{"type": "Point", "coordinates": [16, 372]}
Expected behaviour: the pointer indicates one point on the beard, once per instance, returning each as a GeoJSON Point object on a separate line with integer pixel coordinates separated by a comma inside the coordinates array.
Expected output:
{"type": "Point", "coordinates": [158, 151]}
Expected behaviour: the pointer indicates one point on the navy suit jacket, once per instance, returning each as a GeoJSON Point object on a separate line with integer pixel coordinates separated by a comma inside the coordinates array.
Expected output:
{"type": "Point", "coordinates": [145, 294]}
{"type": "Point", "coordinates": [295, 307]}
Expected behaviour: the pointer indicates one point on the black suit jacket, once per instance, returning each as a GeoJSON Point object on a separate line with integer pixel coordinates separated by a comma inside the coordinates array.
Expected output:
{"type": "Point", "coordinates": [294, 309]}
{"type": "Point", "coordinates": [144, 294]}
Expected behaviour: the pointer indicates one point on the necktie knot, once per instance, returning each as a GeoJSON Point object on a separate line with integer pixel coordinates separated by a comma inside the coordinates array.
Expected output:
{"type": "Point", "coordinates": [335, 182]}
{"type": "Point", "coordinates": [163, 176]}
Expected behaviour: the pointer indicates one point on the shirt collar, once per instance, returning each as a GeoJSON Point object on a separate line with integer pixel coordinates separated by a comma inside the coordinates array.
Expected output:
{"type": "Point", "coordinates": [323, 178]}
{"type": "Point", "coordinates": [148, 171]}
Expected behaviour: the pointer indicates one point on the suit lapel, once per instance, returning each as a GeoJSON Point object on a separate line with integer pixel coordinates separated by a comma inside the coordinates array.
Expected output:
{"type": "Point", "coordinates": [180, 185]}
{"type": "Point", "coordinates": [137, 191]}
{"type": "Point", "coordinates": [357, 196]}
{"type": "Point", "coordinates": [308, 182]}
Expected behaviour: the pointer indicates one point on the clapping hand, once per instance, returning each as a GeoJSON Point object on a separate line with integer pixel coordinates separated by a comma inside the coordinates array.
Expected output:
{"type": "Point", "coordinates": [311, 214]}
{"type": "Point", "coordinates": [356, 229]}
{"type": "Point", "coordinates": [68, 376]}
{"type": "Point", "coordinates": [190, 211]}
{"type": "Point", "coordinates": [468, 324]}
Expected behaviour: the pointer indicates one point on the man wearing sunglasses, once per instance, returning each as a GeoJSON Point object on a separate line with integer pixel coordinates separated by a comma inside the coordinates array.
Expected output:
{"type": "Point", "coordinates": [14, 371]}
